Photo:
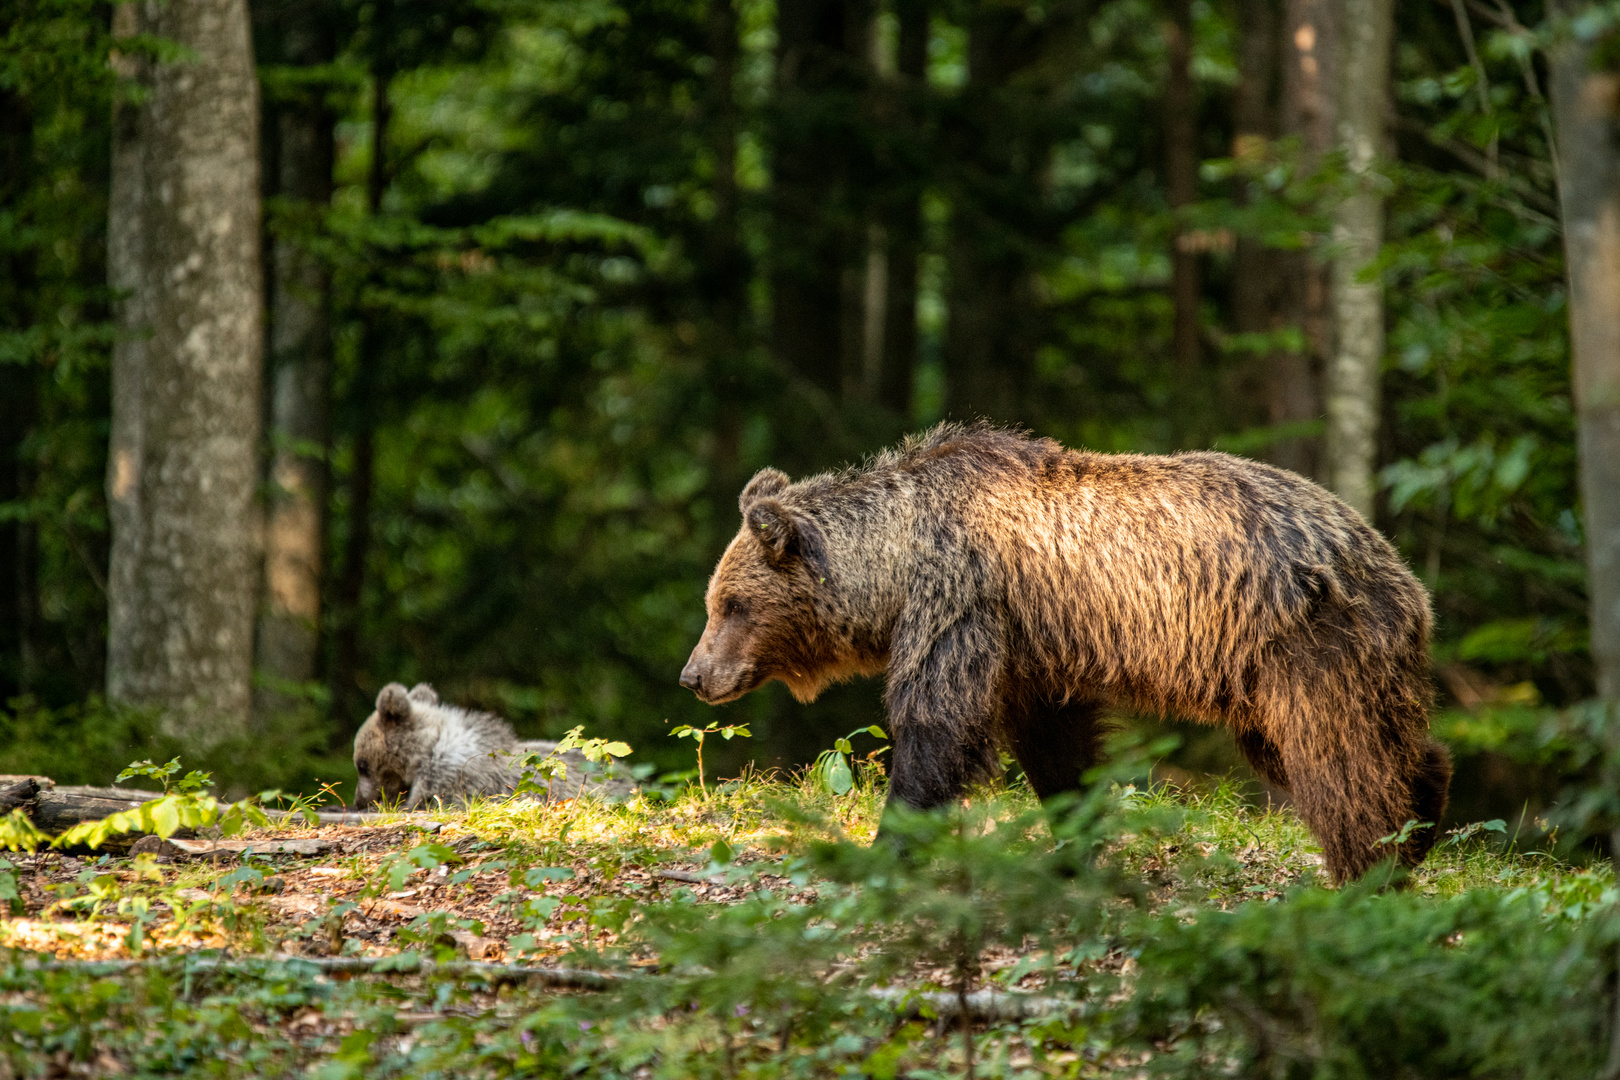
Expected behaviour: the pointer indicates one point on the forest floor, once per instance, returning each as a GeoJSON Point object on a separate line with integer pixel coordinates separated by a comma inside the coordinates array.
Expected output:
{"type": "Point", "coordinates": [409, 934]}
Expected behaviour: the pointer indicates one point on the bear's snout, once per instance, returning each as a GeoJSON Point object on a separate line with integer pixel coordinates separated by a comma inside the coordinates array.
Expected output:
{"type": "Point", "coordinates": [717, 677]}
{"type": "Point", "coordinates": [692, 675]}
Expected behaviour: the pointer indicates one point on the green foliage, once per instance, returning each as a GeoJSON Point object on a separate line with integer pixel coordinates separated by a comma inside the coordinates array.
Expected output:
{"type": "Point", "coordinates": [699, 734]}
{"type": "Point", "coordinates": [1357, 984]}
{"type": "Point", "coordinates": [832, 767]}
{"type": "Point", "coordinates": [539, 770]}
{"type": "Point", "coordinates": [19, 833]}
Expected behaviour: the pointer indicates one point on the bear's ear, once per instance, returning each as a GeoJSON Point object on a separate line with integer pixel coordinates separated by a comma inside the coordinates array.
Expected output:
{"type": "Point", "coordinates": [766, 482]}
{"type": "Point", "coordinates": [394, 704]}
{"type": "Point", "coordinates": [787, 535]}
{"type": "Point", "coordinates": [425, 693]}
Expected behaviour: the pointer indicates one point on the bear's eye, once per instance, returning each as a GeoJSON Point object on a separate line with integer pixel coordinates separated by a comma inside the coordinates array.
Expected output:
{"type": "Point", "coordinates": [735, 607]}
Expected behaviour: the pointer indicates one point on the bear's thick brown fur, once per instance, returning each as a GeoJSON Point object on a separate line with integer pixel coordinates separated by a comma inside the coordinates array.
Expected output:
{"type": "Point", "coordinates": [1012, 591]}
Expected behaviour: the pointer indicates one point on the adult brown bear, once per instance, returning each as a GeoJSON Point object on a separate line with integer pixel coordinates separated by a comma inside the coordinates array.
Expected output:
{"type": "Point", "coordinates": [1012, 591]}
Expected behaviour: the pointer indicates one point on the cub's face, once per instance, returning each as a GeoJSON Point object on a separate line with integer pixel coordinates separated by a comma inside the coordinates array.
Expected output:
{"type": "Point", "coordinates": [760, 611]}
{"type": "Point", "coordinates": [381, 746]}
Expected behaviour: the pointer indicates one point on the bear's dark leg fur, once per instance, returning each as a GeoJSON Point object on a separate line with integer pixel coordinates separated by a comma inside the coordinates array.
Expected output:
{"type": "Point", "coordinates": [933, 764]}
{"type": "Point", "coordinates": [1431, 784]}
{"type": "Point", "coordinates": [1351, 730]}
{"type": "Point", "coordinates": [1056, 744]}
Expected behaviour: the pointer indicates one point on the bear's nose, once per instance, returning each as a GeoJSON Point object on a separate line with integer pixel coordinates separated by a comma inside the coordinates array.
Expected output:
{"type": "Point", "coordinates": [692, 677]}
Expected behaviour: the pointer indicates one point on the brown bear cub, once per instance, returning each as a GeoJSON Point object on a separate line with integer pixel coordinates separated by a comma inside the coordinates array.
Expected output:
{"type": "Point", "coordinates": [1013, 591]}
{"type": "Point", "coordinates": [414, 751]}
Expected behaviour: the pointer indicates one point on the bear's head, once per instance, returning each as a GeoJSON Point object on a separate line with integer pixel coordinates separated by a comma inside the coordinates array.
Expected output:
{"type": "Point", "coordinates": [762, 603]}
{"type": "Point", "coordinates": [386, 746]}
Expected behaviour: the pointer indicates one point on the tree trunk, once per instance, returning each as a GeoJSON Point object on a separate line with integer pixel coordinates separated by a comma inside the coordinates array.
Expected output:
{"type": "Point", "coordinates": [17, 393]}
{"type": "Point", "coordinates": [990, 325]}
{"type": "Point", "coordinates": [183, 244]}
{"type": "Point", "coordinates": [1586, 110]}
{"type": "Point", "coordinates": [1358, 233]}
{"type": "Point", "coordinates": [817, 251]}
{"type": "Point", "coordinates": [1293, 383]}
{"type": "Point", "coordinates": [903, 224]}
{"type": "Point", "coordinates": [1181, 185]}
{"type": "Point", "coordinates": [1279, 386]}
{"type": "Point", "coordinates": [1586, 105]}
{"type": "Point", "coordinates": [346, 691]}
{"type": "Point", "coordinates": [301, 362]}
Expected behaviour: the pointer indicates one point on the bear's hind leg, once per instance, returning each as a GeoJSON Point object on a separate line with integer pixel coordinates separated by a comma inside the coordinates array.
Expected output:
{"type": "Point", "coordinates": [1355, 780]}
{"type": "Point", "coordinates": [1056, 744]}
{"type": "Point", "coordinates": [1431, 789]}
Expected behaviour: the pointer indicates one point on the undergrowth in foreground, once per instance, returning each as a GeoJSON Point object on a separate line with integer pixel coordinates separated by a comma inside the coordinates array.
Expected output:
{"type": "Point", "coordinates": [755, 931]}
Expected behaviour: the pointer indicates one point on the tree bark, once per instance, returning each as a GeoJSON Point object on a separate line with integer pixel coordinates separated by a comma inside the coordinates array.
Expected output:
{"type": "Point", "coordinates": [991, 316]}
{"type": "Point", "coordinates": [17, 396]}
{"type": "Point", "coordinates": [1358, 233]}
{"type": "Point", "coordinates": [1181, 185]}
{"type": "Point", "coordinates": [903, 225]}
{"type": "Point", "coordinates": [183, 246]}
{"type": "Point", "coordinates": [1267, 288]}
{"type": "Point", "coordinates": [1586, 107]}
{"type": "Point", "coordinates": [1293, 381]}
{"type": "Point", "coordinates": [301, 362]}
{"type": "Point", "coordinates": [817, 249]}
{"type": "Point", "coordinates": [346, 690]}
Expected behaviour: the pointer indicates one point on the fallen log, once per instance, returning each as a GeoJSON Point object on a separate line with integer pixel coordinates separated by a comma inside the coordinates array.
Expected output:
{"type": "Point", "coordinates": [57, 809]}
{"type": "Point", "coordinates": [21, 791]}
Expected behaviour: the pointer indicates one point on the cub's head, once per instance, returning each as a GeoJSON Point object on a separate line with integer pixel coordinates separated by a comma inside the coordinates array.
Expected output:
{"type": "Point", "coordinates": [382, 746]}
{"type": "Point", "coordinates": [762, 620]}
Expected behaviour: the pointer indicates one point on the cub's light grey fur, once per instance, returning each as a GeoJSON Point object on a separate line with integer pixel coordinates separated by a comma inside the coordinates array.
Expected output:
{"type": "Point", "coordinates": [417, 750]}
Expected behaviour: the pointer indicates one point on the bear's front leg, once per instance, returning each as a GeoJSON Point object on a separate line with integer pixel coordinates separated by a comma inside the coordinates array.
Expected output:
{"type": "Point", "coordinates": [942, 698]}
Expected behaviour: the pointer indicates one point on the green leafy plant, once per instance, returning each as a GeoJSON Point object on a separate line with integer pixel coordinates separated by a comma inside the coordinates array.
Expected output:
{"type": "Point", "coordinates": [182, 806]}
{"type": "Point", "coordinates": [19, 833]}
{"type": "Point", "coordinates": [541, 770]}
{"type": "Point", "coordinates": [832, 768]}
{"type": "Point", "coordinates": [697, 735]}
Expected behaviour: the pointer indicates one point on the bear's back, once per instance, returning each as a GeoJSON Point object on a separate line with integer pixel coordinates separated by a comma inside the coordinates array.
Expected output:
{"type": "Point", "coordinates": [1123, 567]}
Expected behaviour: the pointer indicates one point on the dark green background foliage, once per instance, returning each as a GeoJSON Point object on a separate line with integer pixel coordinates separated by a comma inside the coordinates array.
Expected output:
{"type": "Point", "coordinates": [570, 315]}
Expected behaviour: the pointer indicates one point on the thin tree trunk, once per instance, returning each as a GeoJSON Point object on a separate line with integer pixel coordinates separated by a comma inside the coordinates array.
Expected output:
{"type": "Point", "coordinates": [814, 251]}
{"type": "Point", "coordinates": [301, 359]}
{"type": "Point", "coordinates": [903, 226]}
{"type": "Point", "coordinates": [1181, 183]}
{"type": "Point", "coordinates": [1358, 233]}
{"type": "Point", "coordinates": [991, 314]}
{"type": "Point", "coordinates": [1278, 380]}
{"type": "Point", "coordinates": [725, 271]}
{"type": "Point", "coordinates": [183, 243]}
{"type": "Point", "coordinates": [17, 382]}
{"type": "Point", "coordinates": [1294, 384]}
{"type": "Point", "coordinates": [346, 673]}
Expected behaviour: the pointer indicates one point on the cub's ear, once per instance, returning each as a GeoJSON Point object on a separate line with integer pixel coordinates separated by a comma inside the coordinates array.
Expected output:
{"type": "Point", "coordinates": [766, 482]}
{"type": "Point", "coordinates": [394, 704]}
{"type": "Point", "coordinates": [424, 693]}
{"type": "Point", "coordinates": [786, 536]}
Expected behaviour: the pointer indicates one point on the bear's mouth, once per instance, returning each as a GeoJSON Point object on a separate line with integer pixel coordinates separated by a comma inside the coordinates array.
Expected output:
{"type": "Point", "coordinates": [745, 682]}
